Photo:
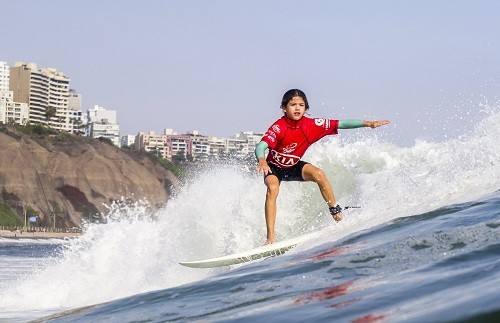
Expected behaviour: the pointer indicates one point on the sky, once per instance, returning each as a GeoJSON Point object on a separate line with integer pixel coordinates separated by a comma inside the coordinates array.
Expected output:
{"type": "Point", "coordinates": [221, 66]}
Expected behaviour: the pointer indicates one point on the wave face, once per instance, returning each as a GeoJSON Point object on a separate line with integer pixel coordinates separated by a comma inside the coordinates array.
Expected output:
{"type": "Point", "coordinates": [424, 243]}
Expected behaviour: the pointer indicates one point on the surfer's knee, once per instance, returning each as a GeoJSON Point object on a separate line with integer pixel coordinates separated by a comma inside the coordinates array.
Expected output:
{"type": "Point", "coordinates": [316, 175]}
{"type": "Point", "coordinates": [273, 189]}
{"type": "Point", "coordinates": [273, 186]}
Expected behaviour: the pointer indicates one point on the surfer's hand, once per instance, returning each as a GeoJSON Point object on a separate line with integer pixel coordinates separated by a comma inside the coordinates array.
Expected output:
{"type": "Point", "coordinates": [263, 167]}
{"type": "Point", "coordinates": [376, 124]}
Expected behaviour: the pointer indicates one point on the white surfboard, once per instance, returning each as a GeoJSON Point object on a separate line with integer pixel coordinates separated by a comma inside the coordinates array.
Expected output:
{"type": "Point", "coordinates": [266, 251]}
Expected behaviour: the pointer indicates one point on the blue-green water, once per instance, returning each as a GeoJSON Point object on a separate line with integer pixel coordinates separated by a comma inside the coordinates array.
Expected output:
{"type": "Point", "coordinates": [442, 265]}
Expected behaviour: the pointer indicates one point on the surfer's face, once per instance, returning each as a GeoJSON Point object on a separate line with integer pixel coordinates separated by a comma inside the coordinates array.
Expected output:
{"type": "Point", "coordinates": [295, 108]}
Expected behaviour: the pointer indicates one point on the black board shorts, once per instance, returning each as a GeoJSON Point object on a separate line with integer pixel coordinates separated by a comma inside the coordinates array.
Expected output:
{"type": "Point", "coordinates": [290, 174]}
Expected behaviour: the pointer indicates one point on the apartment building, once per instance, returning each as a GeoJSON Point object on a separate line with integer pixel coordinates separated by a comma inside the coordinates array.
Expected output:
{"type": "Point", "coordinates": [251, 138]}
{"type": "Point", "coordinates": [101, 123]}
{"type": "Point", "coordinates": [151, 142]}
{"type": "Point", "coordinates": [236, 147]}
{"type": "Point", "coordinates": [180, 146]}
{"type": "Point", "coordinates": [128, 141]}
{"type": "Point", "coordinates": [194, 146]}
{"type": "Point", "coordinates": [77, 119]}
{"type": "Point", "coordinates": [10, 111]}
{"type": "Point", "coordinates": [191, 146]}
{"type": "Point", "coordinates": [4, 76]}
{"type": "Point", "coordinates": [217, 147]}
{"type": "Point", "coordinates": [44, 90]}
{"type": "Point", "coordinates": [200, 146]}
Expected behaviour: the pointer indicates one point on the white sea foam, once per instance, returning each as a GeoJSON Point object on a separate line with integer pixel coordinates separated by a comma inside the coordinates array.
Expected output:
{"type": "Point", "coordinates": [390, 181]}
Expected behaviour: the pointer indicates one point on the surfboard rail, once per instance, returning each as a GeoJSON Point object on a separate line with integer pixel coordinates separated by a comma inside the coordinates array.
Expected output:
{"type": "Point", "coordinates": [267, 251]}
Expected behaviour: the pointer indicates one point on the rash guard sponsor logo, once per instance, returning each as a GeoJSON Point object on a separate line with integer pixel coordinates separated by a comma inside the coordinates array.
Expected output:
{"type": "Point", "coordinates": [290, 148]}
{"type": "Point", "coordinates": [325, 123]}
{"type": "Point", "coordinates": [284, 160]}
{"type": "Point", "coordinates": [319, 122]}
{"type": "Point", "coordinates": [276, 128]}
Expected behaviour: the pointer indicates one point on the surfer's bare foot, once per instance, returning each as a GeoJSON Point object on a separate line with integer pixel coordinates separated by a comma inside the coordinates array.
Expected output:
{"type": "Point", "coordinates": [270, 241]}
{"type": "Point", "coordinates": [337, 217]}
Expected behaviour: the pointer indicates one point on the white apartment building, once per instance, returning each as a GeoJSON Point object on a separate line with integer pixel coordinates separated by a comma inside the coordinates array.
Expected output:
{"type": "Point", "coordinates": [128, 141]}
{"type": "Point", "coordinates": [46, 92]}
{"type": "Point", "coordinates": [10, 111]}
{"type": "Point", "coordinates": [102, 123]}
{"type": "Point", "coordinates": [4, 76]}
{"type": "Point", "coordinates": [5, 98]}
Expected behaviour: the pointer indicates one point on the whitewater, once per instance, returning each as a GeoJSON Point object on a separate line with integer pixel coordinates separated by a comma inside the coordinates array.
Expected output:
{"type": "Point", "coordinates": [424, 246]}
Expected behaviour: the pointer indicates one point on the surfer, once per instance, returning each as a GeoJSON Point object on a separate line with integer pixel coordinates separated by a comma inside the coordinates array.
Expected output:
{"type": "Point", "coordinates": [287, 140]}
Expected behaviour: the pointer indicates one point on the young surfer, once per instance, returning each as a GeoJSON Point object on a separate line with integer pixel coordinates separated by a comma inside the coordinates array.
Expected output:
{"type": "Point", "coordinates": [287, 140]}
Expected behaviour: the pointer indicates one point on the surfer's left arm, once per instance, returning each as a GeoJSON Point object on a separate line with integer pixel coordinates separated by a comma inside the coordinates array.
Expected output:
{"type": "Point", "coordinates": [353, 123]}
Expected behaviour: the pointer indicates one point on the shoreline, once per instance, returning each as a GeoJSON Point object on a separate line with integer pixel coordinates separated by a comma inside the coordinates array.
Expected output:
{"type": "Point", "coordinates": [37, 235]}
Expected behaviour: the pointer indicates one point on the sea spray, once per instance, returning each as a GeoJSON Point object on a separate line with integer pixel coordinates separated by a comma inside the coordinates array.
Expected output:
{"type": "Point", "coordinates": [135, 251]}
{"type": "Point", "coordinates": [387, 180]}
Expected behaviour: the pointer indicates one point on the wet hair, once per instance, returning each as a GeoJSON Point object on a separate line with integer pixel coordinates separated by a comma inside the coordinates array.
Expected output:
{"type": "Point", "coordinates": [290, 94]}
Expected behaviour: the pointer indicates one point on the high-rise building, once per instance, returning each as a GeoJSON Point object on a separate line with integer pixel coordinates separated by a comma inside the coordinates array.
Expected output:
{"type": "Point", "coordinates": [46, 92]}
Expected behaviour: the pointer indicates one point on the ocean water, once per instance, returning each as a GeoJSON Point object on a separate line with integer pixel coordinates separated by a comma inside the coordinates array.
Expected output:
{"type": "Point", "coordinates": [423, 247]}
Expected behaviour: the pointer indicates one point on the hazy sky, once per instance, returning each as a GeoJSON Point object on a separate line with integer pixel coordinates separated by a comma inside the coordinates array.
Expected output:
{"type": "Point", "coordinates": [222, 66]}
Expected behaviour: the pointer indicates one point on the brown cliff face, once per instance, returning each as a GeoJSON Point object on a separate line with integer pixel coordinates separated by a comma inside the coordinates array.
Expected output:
{"type": "Point", "coordinates": [76, 177]}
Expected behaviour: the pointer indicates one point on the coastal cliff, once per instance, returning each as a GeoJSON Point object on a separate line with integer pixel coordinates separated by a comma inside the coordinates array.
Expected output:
{"type": "Point", "coordinates": [65, 178]}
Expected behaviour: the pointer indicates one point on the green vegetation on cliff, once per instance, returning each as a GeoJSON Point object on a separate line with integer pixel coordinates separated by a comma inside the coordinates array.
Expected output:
{"type": "Point", "coordinates": [7, 217]}
{"type": "Point", "coordinates": [178, 171]}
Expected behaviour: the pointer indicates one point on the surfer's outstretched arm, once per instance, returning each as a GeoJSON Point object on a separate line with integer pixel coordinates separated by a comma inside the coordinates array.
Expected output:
{"type": "Point", "coordinates": [353, 123]}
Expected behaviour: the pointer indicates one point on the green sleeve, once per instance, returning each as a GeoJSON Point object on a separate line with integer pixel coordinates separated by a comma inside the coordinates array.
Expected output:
{"type": "Point", "coordinates": [351, 123]}
{"type": "Point", "coordinates": [260, 149]}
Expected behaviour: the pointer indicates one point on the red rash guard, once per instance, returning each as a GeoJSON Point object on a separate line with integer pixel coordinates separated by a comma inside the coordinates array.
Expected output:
{"type": "Point", "coordinates": [288, 140]}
